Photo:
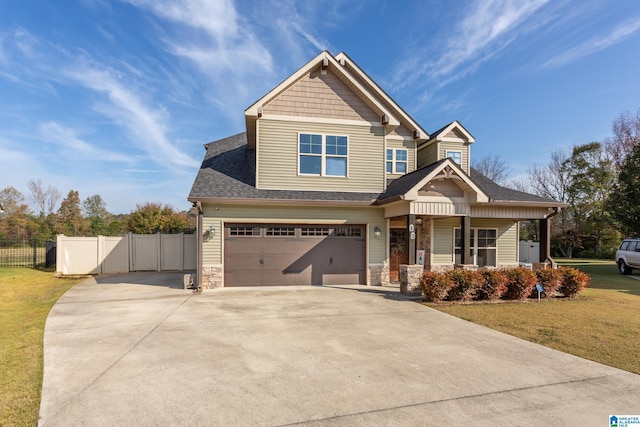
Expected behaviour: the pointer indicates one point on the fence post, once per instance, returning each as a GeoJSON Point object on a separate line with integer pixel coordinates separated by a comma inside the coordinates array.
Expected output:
{"type": "Point", "coordinates": [35, 252]}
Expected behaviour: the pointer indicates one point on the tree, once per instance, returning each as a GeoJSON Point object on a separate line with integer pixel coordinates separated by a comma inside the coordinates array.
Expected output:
{"type": "Point", "coordinates": [592, 177]}
{"type": "Point", "coordinates": [624, 201]}
{"type": "Point", "coordinates": [95, 211]}
{"type": "Point", "coordinates": [70, 215]}
{"type": "Point", "coordinates": [14, 219]}
{"type": "Point", "coordinates": [155, 217]}
{"type": "Point", "coordinates": [553, 181]}
{"type": "Point", "coordinates": [45, 200]}
{"type": "Point", "coordinates": [493, 167]}
{"type": "Point", "coordinates": [626, 130]}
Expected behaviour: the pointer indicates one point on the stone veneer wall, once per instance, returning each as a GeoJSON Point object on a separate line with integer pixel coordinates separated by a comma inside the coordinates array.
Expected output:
{"type": "Point", "coordinates": [212, 277]}
{"type": "Point", "coordinates": [378, 275]}
{"type": "Point", "coordinates": [410, 276]}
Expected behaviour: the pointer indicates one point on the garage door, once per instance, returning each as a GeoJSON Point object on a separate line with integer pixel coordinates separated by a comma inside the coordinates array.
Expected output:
{"type": "Point", "coordinates": [284, 254]}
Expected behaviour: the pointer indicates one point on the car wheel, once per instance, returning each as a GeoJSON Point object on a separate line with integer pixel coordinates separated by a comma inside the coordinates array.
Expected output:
{"type": "Point", "coordinates": [624, 268]}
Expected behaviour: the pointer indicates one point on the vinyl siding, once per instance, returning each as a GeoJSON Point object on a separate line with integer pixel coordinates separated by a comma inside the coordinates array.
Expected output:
{"type": "Point", "coordinates": [442, 248]}
{"type": "Point", "coordinates": [507, 238]}
{"type": "Point", "coordinates": [428, 155]}
{"type": "Point", "coordinates": [455, 146]}
{"type": "Point", "coordinates": [277, 157]}
{"type": "Point", "coordinates": [443, 239]}
{"type": "Point", "coordinates": [216, 215]}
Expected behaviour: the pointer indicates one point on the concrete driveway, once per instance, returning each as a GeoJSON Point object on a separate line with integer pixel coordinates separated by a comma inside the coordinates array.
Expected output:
{"type": "Point", "coordinates": [138, 350]}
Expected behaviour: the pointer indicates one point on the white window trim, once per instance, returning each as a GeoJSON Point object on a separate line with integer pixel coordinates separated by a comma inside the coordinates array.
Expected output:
{"type": "Point", "coordinates": [394, 161]}
{"type": "Point", "coordinates": [447, 154]}
{"type": "Point", "coordinates": [475, 246]}
{"type": "Point", "coordinates": [323, 155]}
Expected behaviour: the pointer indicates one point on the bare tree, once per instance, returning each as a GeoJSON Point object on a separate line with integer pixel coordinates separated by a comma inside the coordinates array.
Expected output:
{"type": "Point", "coordinates": [626, 130]}
{"type": "Point", "coordinates": [493, 167]}
{"type": "Point", "coordinates": [45, 200]}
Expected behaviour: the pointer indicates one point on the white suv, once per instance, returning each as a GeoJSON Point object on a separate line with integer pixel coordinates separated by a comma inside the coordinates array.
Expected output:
{"type": "Point", "coordinates": [628, 255]}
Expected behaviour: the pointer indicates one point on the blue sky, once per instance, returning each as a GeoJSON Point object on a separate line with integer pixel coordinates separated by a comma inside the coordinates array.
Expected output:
{"type": "Point", "coordinates": [117, 97]}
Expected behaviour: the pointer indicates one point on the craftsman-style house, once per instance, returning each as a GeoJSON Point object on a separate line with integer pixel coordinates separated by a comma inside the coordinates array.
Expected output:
{"type": "Point", "coordinates": [332, 182]}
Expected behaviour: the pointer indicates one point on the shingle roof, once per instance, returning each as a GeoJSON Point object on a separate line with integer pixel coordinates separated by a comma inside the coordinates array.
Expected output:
{"type": "Point", "coordinates": [228, 172]}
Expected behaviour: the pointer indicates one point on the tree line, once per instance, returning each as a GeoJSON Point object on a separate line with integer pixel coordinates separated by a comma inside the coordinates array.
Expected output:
{"type": "Point", "coordinates": [72, 216]}
{"type": "Point", "coordinates": [600, 183]}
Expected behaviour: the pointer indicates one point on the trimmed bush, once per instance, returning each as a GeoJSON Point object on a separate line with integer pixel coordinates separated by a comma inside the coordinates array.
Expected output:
{"type": "Point", "coordinates": [573, 281]}
{"type": "Point", "coordinates": [493, 285]}
{"type": "Point", "coordinates": [465, 284]}
{"type": "Point", "coordinates": [521, 282]}
{"type": "Point", "coordinates": [550, 279]}
{"type": "Point", "coordinates": [435, 286]}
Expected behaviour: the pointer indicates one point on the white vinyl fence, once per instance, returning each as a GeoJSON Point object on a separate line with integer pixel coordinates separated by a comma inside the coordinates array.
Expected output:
{"type": "Point", "coordinates": [529, 251]}
{"type": "Point", "coordinates": [133, 252]}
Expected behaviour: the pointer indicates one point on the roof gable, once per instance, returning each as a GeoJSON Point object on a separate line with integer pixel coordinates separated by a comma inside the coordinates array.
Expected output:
{"type": "Point", "coordinates": [415, 185]}
{"type": "Point", "coordinates": [453, 132]}
{"type": "Point", "coordinates": [324, 61]}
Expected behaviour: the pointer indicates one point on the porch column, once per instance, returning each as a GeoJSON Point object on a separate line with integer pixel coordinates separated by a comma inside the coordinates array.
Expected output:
{"type": "Point", "coordinates": [411, 228]}
{"type": "Point", "coordinates": [545, 239]}
{"type": "Point", "coordinates": [465, 228]}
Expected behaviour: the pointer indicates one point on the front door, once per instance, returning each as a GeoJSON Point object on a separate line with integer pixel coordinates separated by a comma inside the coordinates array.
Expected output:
{"type": "Point", "coordinates": [398, 251]}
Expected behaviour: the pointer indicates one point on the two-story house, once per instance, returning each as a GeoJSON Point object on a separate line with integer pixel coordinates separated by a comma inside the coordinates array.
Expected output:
{"type": "Point", "coordinates": [334, 183]}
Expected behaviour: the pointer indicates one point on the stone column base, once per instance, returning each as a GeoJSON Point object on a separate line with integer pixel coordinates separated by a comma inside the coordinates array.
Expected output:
{"type": "Point", "coordinates": [410, 276]}
{"type": "Point", "coordinates": [212, 277]}
{"type": "Point", "coordinates": [378, 275]}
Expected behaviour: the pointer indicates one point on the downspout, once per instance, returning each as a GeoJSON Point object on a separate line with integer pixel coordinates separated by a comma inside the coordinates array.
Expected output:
{"type": "Point", "coordinates": [198, 206]}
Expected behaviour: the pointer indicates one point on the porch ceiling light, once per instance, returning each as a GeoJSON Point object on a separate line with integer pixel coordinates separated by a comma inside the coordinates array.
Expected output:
{"type": "Point", "coordinates": [377, 231]}
{"type": "Point", "coordinates": [419, 221]}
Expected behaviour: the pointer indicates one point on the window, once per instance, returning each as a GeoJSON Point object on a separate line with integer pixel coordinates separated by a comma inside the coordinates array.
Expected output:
{"type": "Point", "coordinates": [348, 232]}
{"type": "Point", "coordinates": [314, 231]}
{"type": "Point", "coordinates": [397, 160]}
{"type": "Point", "coordinates": [456, 156]}
{"type": "Point", "coordinates": [281, 231]}
{"type": "Point", "coordinates": [324, 155]}
{"type": "Point", "coordinates": [244, 231]}
{"type": "Point", "coordinates": [484, 247]}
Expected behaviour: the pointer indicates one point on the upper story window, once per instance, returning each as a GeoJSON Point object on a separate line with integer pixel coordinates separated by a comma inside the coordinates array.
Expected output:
{"type": "Point", "coordinates": [456, 156]}
{"type": "Point", "coordinates": [397, 160]}
{"type": "Point", "coordinates": [324, 155]}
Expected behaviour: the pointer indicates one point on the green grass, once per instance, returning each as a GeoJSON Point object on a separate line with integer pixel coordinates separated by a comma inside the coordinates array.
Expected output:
{"type": "Point", "coordinates": [26, 297]}
{"type": "Point", "coordinates": [602, 324]}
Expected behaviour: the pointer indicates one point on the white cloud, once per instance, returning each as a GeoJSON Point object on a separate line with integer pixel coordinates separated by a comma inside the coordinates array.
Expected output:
{"type": "Point", "coordinates": [145, 125]}
{"type": "Point", "coordinates": [75, 147]}
{"type": "Point", "coordinates": [485, 28]}
{"type": "Point", "coordinates": [617, 35]}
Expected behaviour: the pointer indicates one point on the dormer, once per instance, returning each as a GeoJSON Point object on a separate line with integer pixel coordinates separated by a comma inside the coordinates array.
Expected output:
{"type": "Point", "coordinates": [451, 141]}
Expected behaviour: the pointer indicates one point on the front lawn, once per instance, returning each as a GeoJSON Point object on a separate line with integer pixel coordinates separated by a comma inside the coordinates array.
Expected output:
{"type": "Point", "coordinates": [602, 324]}
{"type": "Point", "coordinates": [26, 297]}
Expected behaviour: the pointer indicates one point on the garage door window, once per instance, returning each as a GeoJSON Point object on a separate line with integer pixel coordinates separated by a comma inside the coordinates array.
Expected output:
{"type": "Point", "coordinates": [314, 231]}
{"type": "Point", "coordinates": [244, 231]}
{"type": "Point", "coordinates": [348, 232]}
{"type": "Point", "coordinates": [281, 231]}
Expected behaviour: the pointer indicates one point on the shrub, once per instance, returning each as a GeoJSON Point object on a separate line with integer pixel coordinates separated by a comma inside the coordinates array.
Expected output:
{"type": "Point", "coordinates": [573, 281]}
{"type": "Point", "coordinates": [435, 286]}
{"type": "Point", "coordinates": [493, 285]}
{"type": "Point", "coordinates": [550, 279]}
{"type": "Point", "coordinates": [465, 284]}
{"type": "Point", "coordinates": [521, 282]}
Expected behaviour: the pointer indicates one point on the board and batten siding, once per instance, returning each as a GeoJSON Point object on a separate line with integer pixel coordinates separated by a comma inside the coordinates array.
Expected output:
{"type": "Point", "coordinates": [217, 215]}
{"type": "Point", "coordinates": [410, 146]}
{"type": "Point", "coordinates": [442, 247]}
{"type": "Point", "coordinates": [277, 156]}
